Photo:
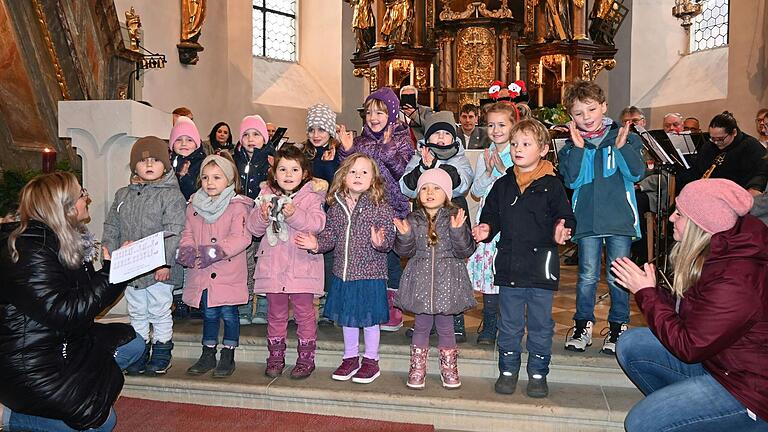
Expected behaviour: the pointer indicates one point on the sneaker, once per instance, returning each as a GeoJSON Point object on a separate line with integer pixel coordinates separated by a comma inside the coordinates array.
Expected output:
{"type": "Point", "coordinates": [581, 337]}
{"type": "Point", "coordinates": [348, 368]}
{"type": "Point", "coordinates": [368, 372]}
{"type": "Point", "coordinates": [506, 383]}
{"type": "Point", "coordinates": [612, 334]}
{"type": "Point", "coordinates": [537, 386]}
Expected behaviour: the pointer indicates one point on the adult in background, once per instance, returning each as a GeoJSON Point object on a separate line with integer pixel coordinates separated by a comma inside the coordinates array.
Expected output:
{"type": "Point", "coordinates": [701, 361]}
{"type": "Point", "coordinates": [59, 371]}
{"type": "Point", "coordinates": [219, 139]}
{"type": "Point", "coordinates": [672, 123]}
{"type": "Point", "coordinates": [761, 124]}
{"type": "Point", "coordinates": [415, 116]}
{"type": "Point", "coordinates": [472, 135]}
{"type": "Point", "coordinates": [691, 124]}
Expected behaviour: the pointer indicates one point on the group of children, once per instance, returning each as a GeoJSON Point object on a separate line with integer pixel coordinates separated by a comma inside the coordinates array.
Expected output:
{"type": "Point", "coordinates": [338, 210]}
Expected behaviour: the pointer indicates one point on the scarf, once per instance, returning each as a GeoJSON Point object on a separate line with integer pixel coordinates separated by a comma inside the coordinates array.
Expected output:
{"type": "Point", "coordinates": [588, 135]}
{"type": "Point", "coordinates": [524, 179]}
{"type": "Point", "coordinates": [211, 208]}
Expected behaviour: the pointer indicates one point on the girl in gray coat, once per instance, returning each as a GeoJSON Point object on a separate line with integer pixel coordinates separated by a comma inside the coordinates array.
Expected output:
{"type": "Point", "coordinates": [435, 284]}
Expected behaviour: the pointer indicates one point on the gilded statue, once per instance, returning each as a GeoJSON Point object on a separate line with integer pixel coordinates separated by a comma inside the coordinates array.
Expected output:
{"type": "Point", "coordinates": [558, 16]}
{"type": "Point", "coordinates": [600, 27]}
{"type": "Point", "coordinates": [363, 24]}
{"type": "Point", "coordinates": [133, 22]}
{"type": "Point", "coordinates": [192, 17]}
{"type": "Point", "coordinates": [398, 22]}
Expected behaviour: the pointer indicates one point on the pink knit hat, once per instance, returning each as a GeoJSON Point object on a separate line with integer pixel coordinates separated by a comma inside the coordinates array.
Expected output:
{"type": "Point", "coordinates": [714, 204]}
{"type": "Point", "coordinates": [184, 126]}
{"type": "Point", "coordinates": [438, 177]}
{"type": "Point", "coordinates": [254, 122]}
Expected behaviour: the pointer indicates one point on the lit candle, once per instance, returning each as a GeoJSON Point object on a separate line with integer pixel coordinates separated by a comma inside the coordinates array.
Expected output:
{"type": "Point", "coordinates": [517, 71]}
{"type": "Point", "coordinates": [413, 74]}
{"type": "Point", "coordinates": [49, 160]}
{"type": "Point", "coordinates": [432, 75]}
{"type": "Point", "coordinates": [432, 97]}
{"type": "Point", "coordinates": [541, 83]}
{"type": "Point", "coordinates": [390, 74]}
{"type": "Point", "coordinates": [562, 69]}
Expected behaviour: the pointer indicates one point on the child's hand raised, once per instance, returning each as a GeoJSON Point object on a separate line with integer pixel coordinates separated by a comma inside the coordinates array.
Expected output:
{"type": "Point", "coordinates": [306, 241]}
{"type": "Point", "coordinates": [377, 236]}
{"type": "Point", "coordinates": [498, 163]}
{"type": "Point", "coordinates": [345, 137]}
{"type": "Point", "coordinates": [481, 232]}
{"type": "Point", "coordinates": [427, 158]}
{"type": "Point", "coordinates": [488, 159]}
{"type": "Point", "coordinates": [562, 234]}
{"type": "Point", "coordinates": [577, 139]}
{"type": "Point", "coordinates": [184, 169]}
{"type": "Point", "coordinates": [388, 133]}
{"type": "Point", "coordinates": [289, 209]}
{"type": "Point", "coordinates": [402, 225]}
{"type": "Point", "coordinates": [458, 219]}
{"type": "Point", "coordinates": [265, 210]}
{"type": "Point", "coordinates": [330, 154]}
{"type": "Point", "coordinates": [621, 138]}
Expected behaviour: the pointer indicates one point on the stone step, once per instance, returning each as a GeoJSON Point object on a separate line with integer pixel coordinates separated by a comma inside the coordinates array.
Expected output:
{"type": "Point", "coordinates": [473, 407]}
{"type": "Point", "coordinates": [394, 352]}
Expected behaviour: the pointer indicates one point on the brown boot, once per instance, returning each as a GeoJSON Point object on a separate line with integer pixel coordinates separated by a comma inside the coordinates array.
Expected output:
{"type": "Point", "coordinates": [449, 368]}
{"type": "Point", "coordinates": [305, 364]}
{"type": "Point", "coordinates": [276, 359]}
{"type": "Point", "coordinates": [417, 375]}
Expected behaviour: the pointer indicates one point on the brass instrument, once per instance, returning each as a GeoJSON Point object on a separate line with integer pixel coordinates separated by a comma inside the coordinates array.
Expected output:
{"type": "Point", "coordinates": [715, 163]}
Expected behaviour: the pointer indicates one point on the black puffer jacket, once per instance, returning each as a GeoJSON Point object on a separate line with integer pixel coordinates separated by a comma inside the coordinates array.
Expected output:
{"type": "Point", "coordinates": [55, 361]}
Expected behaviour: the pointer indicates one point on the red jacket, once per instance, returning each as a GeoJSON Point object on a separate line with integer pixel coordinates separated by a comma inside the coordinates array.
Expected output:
{"type": "Point", "coordinates": [723, 318]}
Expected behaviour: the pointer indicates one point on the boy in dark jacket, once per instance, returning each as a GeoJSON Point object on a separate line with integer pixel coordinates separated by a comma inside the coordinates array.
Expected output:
{"type": "Point", "coordinates": [527, 205]}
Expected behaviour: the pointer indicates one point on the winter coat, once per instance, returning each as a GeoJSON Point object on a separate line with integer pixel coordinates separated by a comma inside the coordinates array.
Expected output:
{"type": "Point", "coordinates": [391, 158]}
{"type": "Point", "coordinates": [55, 361]}
{"type": "Point", "coordinates": [284, 268]}
{"type": "Point", "coordinates": [142, 209]}
{"type": "Point", "coordinates": [458, 167]}
{"type": "Point", "coordinates": [257, 166]}
{"type": "Point", "coordinates": [435, 280]}
{"type": "Point", "coordinates": [527, 254]}
{"type": "Point", "coordinates": [348, 233]}
{"type": "Point", "coordinates": [324, 169]}
{"type": "Point", "coordinates": [478, 139]}
{"type": "Point", "coordinates": [225, 280]}
{"type": "Point", "coordinates": [603, 179]}
{"type": "Point", "coordinates": [723, 318]}
{"type": "Point", "coordinates": [188, 182]}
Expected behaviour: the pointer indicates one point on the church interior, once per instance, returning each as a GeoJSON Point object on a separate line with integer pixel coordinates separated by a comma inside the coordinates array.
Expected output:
{"type": "Point", "coordinates": [82, 81]}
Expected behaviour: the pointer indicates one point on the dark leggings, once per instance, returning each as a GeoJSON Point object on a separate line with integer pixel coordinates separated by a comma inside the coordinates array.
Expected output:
{"type": "Point", "coordinates": [444, 324]}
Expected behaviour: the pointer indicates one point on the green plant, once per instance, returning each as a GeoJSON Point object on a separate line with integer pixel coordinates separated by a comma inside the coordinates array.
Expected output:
{"type": "Point", "coordinates": [14, 180]}
{"type": "Point", "coordinates": [552, 115]}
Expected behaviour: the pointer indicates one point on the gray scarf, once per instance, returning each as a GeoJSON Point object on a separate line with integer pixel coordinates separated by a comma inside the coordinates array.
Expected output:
{"type": "Point", "coordinates": [211, 208]}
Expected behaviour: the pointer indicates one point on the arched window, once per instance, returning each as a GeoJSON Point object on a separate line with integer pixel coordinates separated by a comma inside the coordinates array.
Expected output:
{"type": "Point", "coordinates": [274, 29]}
{"type": "Point", "coordinates": [710, 28]}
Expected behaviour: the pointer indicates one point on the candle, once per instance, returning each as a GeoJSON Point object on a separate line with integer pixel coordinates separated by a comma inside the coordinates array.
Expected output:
{"type": "Point", "coordinates": [390, 74]}
{"type": "Point", "coordinates": [562, 69]}
{"type": "Point", "coordinates": [432, 75]}
{"type": "Point", "coordinates": [432, 97]}
{"type": "Point", "coordinates": [517, 71]}
{"type": "Point", "coordinates": [541, 83]}
{"type": "Point", "coordinates": [413, 74]}
{"type": "Point", "coordinates": [49, 160]}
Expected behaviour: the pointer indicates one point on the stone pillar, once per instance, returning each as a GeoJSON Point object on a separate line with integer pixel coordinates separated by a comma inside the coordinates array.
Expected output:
{"type": "Point", "coordinates": [579, 20]}
{"type": "Point", "coordinates": [102, 133]}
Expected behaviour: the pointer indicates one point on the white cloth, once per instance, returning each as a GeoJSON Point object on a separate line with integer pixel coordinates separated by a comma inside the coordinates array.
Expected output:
{"type": "Point", "coordinates": [151, 305]}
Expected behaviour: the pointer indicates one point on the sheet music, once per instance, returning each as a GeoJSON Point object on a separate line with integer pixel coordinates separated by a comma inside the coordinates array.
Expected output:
{"type": "Point", "coordinates": [683, 143]}
{"type": "Point", "coordinates": [654, 146]}
{"type": "Point", "coordinates": [137, 258]}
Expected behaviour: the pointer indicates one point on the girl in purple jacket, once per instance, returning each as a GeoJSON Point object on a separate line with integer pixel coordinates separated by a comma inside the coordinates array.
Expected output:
{"type": "Point", "coordinates": [359, 230]}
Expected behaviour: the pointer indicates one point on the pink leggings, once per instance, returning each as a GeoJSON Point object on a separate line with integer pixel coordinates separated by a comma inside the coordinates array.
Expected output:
{"type": "Point", "coordinates": [423, 325]}
{"type": "Point", "coordinates": [303, 312]}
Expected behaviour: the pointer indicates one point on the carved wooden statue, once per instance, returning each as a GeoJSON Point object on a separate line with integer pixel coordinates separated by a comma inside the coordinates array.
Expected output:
{"type": "Point", "coordinates": [558, 19]}
{"type": "Point", "coordinates": [192, 18]}
{"type": "Point", "coordinates": [363, 24]}
{"type": "Point", "coordinates": [133, 22]}
{"type": "Point", "coordinates": [398, 22]}
{"type": "Point", "coordinates": [600, 27]}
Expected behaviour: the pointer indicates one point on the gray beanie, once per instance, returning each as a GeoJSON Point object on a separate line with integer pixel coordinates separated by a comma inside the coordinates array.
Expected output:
{"type": "Point", "coordinates": [323, 117]}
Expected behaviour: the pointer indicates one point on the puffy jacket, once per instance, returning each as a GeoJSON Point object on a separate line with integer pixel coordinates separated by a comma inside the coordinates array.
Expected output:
{"type": "Point", "coordinates": [458, 167]}
{"type": "Point", "coordinates": [188, 182]}
{"type": "Point", "coordinates": [253, 169]}
{"type": "Point", "coordinates": [55, 361]}
{"type": "Point", "coordinates": [723, 318]}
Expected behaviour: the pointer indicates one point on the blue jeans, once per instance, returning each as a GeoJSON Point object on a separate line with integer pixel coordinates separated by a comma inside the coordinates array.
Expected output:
{"type": "Point", "coordinates": [678, 396]}
{"type": "Point", "coordinates": [590, 257]}
{"type": "Point", "coordinates": [211, 317]}
{"type": "Point", "coordinates": [394, 270]}
{"type": "Point", "coordinates": [127, 354]}
{"type": "Point", "coordinates": [521, 307]}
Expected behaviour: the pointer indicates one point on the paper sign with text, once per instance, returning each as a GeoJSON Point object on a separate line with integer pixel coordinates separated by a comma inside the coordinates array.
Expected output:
{"type": "Point", "coordinates": [137, 258]}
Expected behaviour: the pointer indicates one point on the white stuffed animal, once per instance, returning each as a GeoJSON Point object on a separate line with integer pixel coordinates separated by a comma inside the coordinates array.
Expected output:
{"type": "Point", "coordinates": [278, 228]}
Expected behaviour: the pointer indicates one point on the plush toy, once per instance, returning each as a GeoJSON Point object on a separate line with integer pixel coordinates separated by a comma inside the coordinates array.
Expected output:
{"type": "Point", "coordinates": [495, 90]}
{"type": "Point", "coordinates": [518, 92]}
{"type": "Point", "coordinates": [278, 228]}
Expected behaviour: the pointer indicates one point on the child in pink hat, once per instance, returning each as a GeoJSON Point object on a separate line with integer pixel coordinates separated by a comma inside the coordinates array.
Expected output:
{"type": "Point", "coordinates": [186, 154]}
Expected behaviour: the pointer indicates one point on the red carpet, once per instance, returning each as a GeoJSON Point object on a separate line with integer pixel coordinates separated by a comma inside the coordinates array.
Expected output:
{"type": "Point", "coordinates": [146, 415]}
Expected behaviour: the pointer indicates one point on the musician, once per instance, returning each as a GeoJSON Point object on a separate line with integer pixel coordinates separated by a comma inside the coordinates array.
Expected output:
{"type": "Point", "coordinates": [730, 154]}
{"type": "Point", "coordinates": [673, 122]}
{"type": "Point", "coordinates": [691, 124]}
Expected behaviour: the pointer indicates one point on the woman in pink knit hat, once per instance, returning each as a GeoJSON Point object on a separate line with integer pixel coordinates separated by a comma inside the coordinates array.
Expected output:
{"type": "Point", "coordinates": [701, 363]}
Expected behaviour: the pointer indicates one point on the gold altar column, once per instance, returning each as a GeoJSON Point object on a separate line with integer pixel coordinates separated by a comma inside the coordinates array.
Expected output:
{"type": "Point", "coordinates": [579, 20]}
{"type": "Point", "coordinates": [381, 10]}
{"type": "Point", "coordinates": [541, 23]}
{"type": "Point", "coordinates": [504, 60]}
{"type": "Point", "coordinates": [448, 62]}
{"type": "Point", "coordinates": [418, 25]}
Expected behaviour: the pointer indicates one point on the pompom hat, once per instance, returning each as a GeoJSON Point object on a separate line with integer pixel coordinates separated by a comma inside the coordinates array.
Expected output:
{"type": "Point", "coordinates": [437, 177]}
{"type": "Point", "coordinates": [322, 116]}
{"type": "Point", "coordinates": [254, 122]}
{"type": "Point", "coordinates": [714, 204]}
{"type": "Point", "coordinates": [184, 126]}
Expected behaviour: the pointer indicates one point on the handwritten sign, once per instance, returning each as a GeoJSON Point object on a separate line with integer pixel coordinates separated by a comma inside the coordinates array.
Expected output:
{"type": "Point", "coordinates": [137, 258]}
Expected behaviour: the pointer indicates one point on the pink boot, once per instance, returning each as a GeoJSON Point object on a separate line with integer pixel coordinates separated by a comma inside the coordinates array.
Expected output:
{"type": "Point", "coordinates": [449, 368]}
{"type": "Point", "coordinates": [276, 359]}
{"type": "Point", "coordinates": [417, 375]}
{"type": "Point", "coordinates": [305, 364]}
{"type": "Point", "coordinates": [395, 315]}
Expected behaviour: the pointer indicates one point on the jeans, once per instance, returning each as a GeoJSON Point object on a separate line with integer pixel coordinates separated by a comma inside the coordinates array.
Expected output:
{"type": "Point", "coordinates": [521, 307]}
{"type": "Point", "coordinates": [590, 257]}
{"type": "Point", "coordinates": [678, 396]}
{"type": "Point", "coordinates": [151, 305]}
{"type": "Point", "coordinates": [211, 317]}
{"type": "Point", "coordinates": [127, 354]}
{"type": "Point", "coordinates": [394, 270]}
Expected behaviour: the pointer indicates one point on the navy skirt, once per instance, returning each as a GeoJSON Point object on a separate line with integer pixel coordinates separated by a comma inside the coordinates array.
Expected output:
{"type": "Point", "coordinates": [360, 303]}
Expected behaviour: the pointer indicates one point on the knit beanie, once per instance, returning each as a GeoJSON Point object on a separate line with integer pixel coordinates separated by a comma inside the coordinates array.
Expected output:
{"type": "Point", "coordinates": [150, 147]}
{"type": "Point", "coordinates": [441, 120]}
{"type": "Point", "coordinates": [229, 169]}
{"type": "Point", "coordinates": [437, 177]}
{"type": "Point", "coordinates": [386, 95]}
{"type": "Point", "coordinates": [184, 126]}
{"type": "Point", "coordinates": [322, 116]}
{"type": "Point", "coordinates": [714, 204]}
{"type": "Point", "coordinates": [254, 122]}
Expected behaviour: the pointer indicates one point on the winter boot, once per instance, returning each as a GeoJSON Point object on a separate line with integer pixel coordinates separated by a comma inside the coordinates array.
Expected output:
{"type": "Point", "coordinates": [537, 386]}
{"type": "Point", "coordinates": [138, 367]}
{"type": "Point", "coordinates": [226, 364]}
{"type": "Point", "coordinates": [487, 335]}
{"type": "Point", "coordinates": [305, 364]}
{"type": "Point", "coordinates": [458, 328]}
{"type": "Point", "coordinates": [581, 337]}
{"type": "Point", "coordinates": [395, 315]}
{"type": "Point", "coordinates": [509, 369]}
{"type": "Point", "coordinates": [449, 368]}
{"type": "Point", "coordinates": [417, 374]}
{"type": "Point", "coordinates": [205, 363]}
{"type": "Point", "coordinates": [160, 361]}
{"type": "Point", "coordinates": [276, 359]}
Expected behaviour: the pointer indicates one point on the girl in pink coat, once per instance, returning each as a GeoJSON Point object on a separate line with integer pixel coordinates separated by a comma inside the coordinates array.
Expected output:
{"type": "Point", "coordinates": [213, 247]}
{"type": "Point", "coordinates": [289, 203]}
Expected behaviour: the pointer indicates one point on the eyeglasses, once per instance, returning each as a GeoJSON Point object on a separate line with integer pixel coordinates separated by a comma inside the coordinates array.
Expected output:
{"type": "Point", "coordinates": [718, 139]}
{"type": "Point", "coordinates": [83, 193]}
{"type": "Point", "coordinates": [762, 120]}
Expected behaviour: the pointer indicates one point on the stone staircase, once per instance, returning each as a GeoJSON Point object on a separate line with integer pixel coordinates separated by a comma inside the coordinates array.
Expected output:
{"type": "Point", "coordinates": [588, 392]}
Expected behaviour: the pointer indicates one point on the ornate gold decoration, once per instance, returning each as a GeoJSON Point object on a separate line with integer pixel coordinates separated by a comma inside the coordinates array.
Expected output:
{"type": "Point", "coordinates": [398, 20]}
{"type": "Point", "coordinates": [370, 74]}
{"type": "Point", "coordinates": [475, 8]}
{"type": "Point", "coordinates": [530, 7]}
{"type": "Point", "coordinates": [552, 62]}
{"type": "Point", "coordinates": [533, 75]}
{"type": "Point", "coordinates": [476, 57]}
{"type": "Point", "coordinates": [578, 3]}
{"type": "Point", "coordinates": [51, 50]}
{"type": "Point", "coordinates": [421, 78]}
{"type": "Point", "coordinates": [465, 98]}
{"type": "Point", "coordinates": [686, 11]}
{"type": "Point", "coordinates": [122, 91]}
{"type": "Point", "coordinates": [133, 22]}
{"type": "Point", "coordinates": [192, 18]}
{"type": "Point", "coordinates": [590, 69]}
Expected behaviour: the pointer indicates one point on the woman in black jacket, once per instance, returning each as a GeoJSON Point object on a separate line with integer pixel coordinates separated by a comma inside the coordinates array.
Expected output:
{"type": "Point", "coordinates": [59, 371]}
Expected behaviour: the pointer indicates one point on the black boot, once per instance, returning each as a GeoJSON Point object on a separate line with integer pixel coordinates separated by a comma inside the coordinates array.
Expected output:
{"type": "Point", "coordinates": [137, 367]}
{"type": "Point", "coordinates": [226, 364]}
{"type": "Point", "coordinates": [537, 386]}
{"type": "Point", "coordinates": [205, 363]}
{"type": "Point", "coordinates": [487, 335]}
{"type": "Point", "coordinates": [160, 361]}
{"type": "Point", "coordinates": [458, 328]}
